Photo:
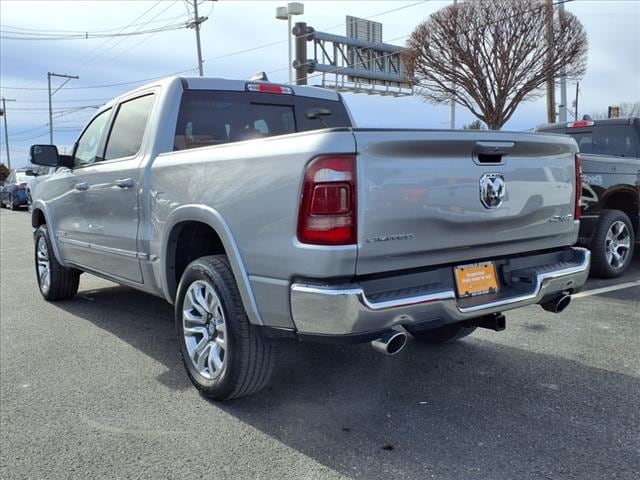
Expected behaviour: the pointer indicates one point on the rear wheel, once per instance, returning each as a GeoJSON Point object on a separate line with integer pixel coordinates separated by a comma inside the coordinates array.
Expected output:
{"type": "Point", "coordinates": [54, 281]}
{"type": "Point", "coordinates": [223, 353]}
{"type": "Point", "coordinates": [612, 244]}
{"type": "Point", "coordinates": [444, 334]}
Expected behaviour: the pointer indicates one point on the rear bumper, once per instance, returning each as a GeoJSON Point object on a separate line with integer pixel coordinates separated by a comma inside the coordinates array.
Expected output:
{"type": "Point", "coordinates": [328, 310]}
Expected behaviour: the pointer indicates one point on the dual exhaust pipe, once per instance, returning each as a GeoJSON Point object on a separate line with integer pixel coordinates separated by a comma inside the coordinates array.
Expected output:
{"type": "Point", "coordinates": [392, 341]}
{"type": "Point", "coordinates": [557, 305]}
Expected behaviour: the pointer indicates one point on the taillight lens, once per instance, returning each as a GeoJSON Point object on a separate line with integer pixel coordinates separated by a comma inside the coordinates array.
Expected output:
{"type": "Point", "coordinates": [578, 209]}
{"type": "Point", "coordinates": [327, 214]}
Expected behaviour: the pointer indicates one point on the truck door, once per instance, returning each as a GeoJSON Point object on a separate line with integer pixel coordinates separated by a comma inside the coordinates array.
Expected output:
{"type": "Point", "coordinates": [105, 196]}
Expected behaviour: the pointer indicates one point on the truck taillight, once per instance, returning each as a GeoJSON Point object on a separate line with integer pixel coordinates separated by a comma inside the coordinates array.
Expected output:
{"type": "Point", "coordinates": [578, 209]}
{"type": "Point", "coordinates": [327, 214]}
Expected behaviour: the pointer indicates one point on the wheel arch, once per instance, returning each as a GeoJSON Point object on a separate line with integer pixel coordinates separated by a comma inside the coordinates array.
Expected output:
{"type": "Point", "coordinates": [40, 217]}
{"type": "Point", "coordinates": [627, 202]}
{"type": "Point", "coordinates": [205, 232]}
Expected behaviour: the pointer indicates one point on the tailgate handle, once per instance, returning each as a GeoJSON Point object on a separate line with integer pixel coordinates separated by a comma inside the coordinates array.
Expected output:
{"type": "Point", "coordinates": [491, 152]}
{"type": "Point", "coordinates": [82, 186]}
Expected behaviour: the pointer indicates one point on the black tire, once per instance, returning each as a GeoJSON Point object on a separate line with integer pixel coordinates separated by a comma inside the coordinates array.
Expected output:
{"type": "Point", "coordinates": [600, 265]}
{"type": "Point", "coordinates": [63, 282]}
{"type": "Point", "coordinates": [248, 357]}
{"type": "Point", "coordinates": [445, 334]}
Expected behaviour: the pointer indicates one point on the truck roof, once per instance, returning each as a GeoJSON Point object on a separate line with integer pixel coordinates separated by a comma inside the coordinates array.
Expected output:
{"type": "Point", "coordinates": [590, 123]}
{"type": "Point", "coordinates": [216, 83]}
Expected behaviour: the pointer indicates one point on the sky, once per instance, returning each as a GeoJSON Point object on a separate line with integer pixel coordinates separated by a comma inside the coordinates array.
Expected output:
{"type": "Point", "coordinates": [243, 37]}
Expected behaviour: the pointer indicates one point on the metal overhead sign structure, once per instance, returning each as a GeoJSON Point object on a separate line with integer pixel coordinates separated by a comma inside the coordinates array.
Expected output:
{"type": "Point", "coordinates": [358, 62]}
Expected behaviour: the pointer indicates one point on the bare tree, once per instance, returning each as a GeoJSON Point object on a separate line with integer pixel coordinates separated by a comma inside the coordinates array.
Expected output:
{"type": "Point", "coordinates": [626, 109]}
{"type": "Point", "coordinates": [491, 55]}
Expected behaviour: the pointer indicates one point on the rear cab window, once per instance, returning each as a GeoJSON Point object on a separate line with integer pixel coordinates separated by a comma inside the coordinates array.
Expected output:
{"type": "Point", "coordinates": [614, 139]}
{"type": "Point", "coordinates": [211, 117]}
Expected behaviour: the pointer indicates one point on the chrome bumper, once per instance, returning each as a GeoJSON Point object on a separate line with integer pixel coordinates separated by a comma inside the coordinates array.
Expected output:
{"type": "Point", "coordinates": [329, 310]}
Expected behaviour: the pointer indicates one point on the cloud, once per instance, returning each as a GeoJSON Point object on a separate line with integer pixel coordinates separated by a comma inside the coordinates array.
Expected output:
{"type": "Point", "coordinates": [236, 26]}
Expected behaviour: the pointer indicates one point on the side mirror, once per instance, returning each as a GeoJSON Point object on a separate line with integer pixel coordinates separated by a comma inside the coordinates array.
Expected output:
{"type": "Point", "coordinates": [44, 155]}
{"type": "Point", "coordinates": [47, 155]}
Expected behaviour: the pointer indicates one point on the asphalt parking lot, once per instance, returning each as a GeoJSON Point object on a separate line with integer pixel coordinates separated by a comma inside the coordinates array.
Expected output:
{"type": "Point", "coordinates": [94, 388]}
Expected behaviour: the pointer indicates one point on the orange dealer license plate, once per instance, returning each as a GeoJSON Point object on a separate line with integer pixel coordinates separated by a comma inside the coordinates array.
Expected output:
{"type": "Point", "coordinates": [476, 279]}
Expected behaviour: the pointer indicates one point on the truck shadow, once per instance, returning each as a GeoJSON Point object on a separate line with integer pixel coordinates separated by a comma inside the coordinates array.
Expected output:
{"type": "Point", "coordinates": [474, 409]}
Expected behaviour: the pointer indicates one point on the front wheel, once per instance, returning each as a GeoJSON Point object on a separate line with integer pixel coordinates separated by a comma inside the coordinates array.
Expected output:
{"type": "Point", "coordinates": [612, 244]}
{"type": "Point", "coordinates": [224, 355]}
{"type": "Point", "coordinates": [54, 281]}
{"type": "Point", "coordinates": [444, 334]}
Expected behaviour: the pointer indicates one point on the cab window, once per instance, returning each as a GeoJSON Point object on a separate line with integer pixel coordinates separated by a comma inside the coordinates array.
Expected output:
{"type": "Point", "coordinates": [128, 128]}
{"type": "Point", "coordinates": [90, 141]}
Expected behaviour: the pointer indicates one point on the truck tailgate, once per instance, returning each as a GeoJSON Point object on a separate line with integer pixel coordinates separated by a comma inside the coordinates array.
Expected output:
{"type": "Point", "coordinates": [419, 196]}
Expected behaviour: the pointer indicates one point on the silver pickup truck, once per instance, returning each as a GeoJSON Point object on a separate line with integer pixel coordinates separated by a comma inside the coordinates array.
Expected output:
{"type": "Point", "coordinates": [261, 213]}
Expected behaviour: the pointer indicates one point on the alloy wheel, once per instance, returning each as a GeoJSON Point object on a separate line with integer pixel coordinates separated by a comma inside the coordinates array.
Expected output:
{"type": "Point", "coordinates": [617, 244]}
{"type": "Point", "coordinates": [205, 330]}
{"type": "Point", "coordinates": [43, 265]}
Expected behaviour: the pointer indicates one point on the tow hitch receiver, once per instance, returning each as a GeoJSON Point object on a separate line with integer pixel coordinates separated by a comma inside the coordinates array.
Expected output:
{"type": "Point", "coordinates": [496, 322]}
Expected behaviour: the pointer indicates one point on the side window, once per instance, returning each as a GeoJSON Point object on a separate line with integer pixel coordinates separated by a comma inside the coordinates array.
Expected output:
{"type": "Point", "coordinates": [89, 142]}
{"type": "Point", "coordinates": [128, 129]}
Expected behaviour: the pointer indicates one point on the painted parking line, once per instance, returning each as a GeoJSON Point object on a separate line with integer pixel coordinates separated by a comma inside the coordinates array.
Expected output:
{"type": "Point", "coordinates": [612, 288]}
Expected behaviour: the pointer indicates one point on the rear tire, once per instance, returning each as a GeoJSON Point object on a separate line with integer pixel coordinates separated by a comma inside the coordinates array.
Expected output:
{"type": "Point", "coordinates": [612, 244]}
{"type": "Point", "coordinates": [444, 334]}
{"type": "Point", "coordinates": [55, 282]}
{"type": "Point", "coordinates": [223, 353]}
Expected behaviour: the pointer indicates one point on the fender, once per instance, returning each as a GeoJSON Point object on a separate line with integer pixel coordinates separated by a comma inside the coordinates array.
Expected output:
{"type": "Point", "coordinates": [42, 206]}
{"type": "Point", "coordinates": [211, 217]}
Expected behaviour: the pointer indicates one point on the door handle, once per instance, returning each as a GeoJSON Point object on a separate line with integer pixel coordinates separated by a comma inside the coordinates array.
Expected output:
{"type": "Point", "coordinates": [124, 183]}
{"type": "Point", "coordinates": [82, 186]}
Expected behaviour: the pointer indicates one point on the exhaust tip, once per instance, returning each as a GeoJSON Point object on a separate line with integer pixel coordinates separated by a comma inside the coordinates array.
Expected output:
{"type": "Point", "coordinates": [557, 305]}
{"type": "Point", "coordinates": [391, 342]}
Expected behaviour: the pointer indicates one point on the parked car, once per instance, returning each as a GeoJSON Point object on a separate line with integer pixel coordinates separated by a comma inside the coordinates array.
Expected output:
{"type": "Point", "coordinates": [260, 212]}
{"type": "Point", "coordinates": [610, 151]}
{"type": "Point", "coordinates": [13, 193]}
{"type": "Point", "coordinates": [39, 175]}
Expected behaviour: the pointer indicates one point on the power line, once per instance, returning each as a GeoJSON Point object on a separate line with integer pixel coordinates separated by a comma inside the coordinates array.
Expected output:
{"type": "Point", "coordinates": [120, 30]}
{"type": "Point", "coordinates": [87, 36]}
{"type": "Point", "coordinates": [219, 57]}
{"type": "Point", "coordinates": [337, 69]}
{"type": "Point", "coordinates": [95, 57]}
{"type": "Point", "coordinates": [54, 32]}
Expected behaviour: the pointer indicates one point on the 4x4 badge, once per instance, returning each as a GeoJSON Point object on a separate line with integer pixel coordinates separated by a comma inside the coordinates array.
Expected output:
{"type": "Point", "coordinates": [493, 189]}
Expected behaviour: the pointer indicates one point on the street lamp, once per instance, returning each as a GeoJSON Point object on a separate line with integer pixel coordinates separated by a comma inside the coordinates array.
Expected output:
{"type": "Point", "coordinates": [285, 13]}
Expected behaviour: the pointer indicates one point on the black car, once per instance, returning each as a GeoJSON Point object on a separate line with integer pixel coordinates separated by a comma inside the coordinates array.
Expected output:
{"type": "Point", "coordinates": [610, 151]}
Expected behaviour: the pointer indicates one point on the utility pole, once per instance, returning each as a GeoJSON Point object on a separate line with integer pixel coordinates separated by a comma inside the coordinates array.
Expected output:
{"type": "Point", "coordinates": [197, 20]}
{"type": "Point", "coordinates": [6, 131]}
{"type": "Point", "coordinates": [563, 80]}
{"type": "Point", "coordinates": [577, 92]}
{"type": "Point", "coordinates": [452, 116]}
{"type": "Point", "coordinates": [551, 100]}
{"type": "Point", "coordinates": [51, 94]}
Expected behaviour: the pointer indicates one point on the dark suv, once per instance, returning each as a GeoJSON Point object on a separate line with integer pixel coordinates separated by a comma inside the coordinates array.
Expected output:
{"type": "Point", "coordinates": [610, 151]}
